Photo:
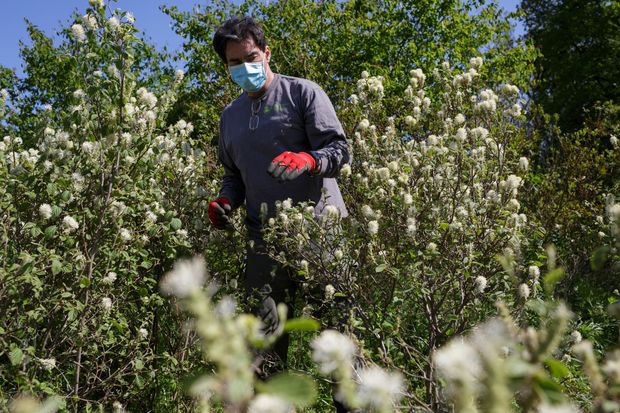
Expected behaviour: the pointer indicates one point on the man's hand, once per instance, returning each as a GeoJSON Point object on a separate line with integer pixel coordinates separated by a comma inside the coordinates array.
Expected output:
{"type": "Point", "coordinates": [290, 165]}
{"type": "Point", "coordinates": [218, 211]}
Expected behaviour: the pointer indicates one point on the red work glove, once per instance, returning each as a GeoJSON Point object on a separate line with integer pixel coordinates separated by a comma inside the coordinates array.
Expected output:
{"type": "Point", "coordinates": [218, 210]}
{"type": "Point", "coordinates": [290, 165]}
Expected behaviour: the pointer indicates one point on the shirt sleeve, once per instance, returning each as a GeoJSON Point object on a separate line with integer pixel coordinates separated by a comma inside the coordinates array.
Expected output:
{"type": "Point", "coordinates": [233, 187]}
{"type": "Point", "coordinates": [325, 133]}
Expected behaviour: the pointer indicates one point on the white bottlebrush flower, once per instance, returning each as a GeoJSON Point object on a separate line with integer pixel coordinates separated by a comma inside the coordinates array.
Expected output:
{"type": "Point", "coordinates": [88, 147]}
{"type": "Point", "coordinates": [90, 21]}
{"type": "Point", "coordinates": [332, 350]}
{"type": "Point", "coordinates": [513, 182]}
{"type": "Point", "coordinates": [48, 364]}
{"type": "Point", "coordinates": [475, 62]}
{"type": "Point", "coordinates": [488, 105]}
{"type": "Point", "coordinates": [411, 226]}
{"type": "Point", "coordinates": [459, 119]}
{"type": "Point", "coordinates": [186, 277]}
{"type": "Point", "coordinates": [576, 336]}
{"type": "Point", "coordinates": [130, 18]}
{"type": "Point", "coordinates": [515, 110]}
{"type": "Point", "coordinates": [143, 332]}
{"type": "Point", "coordinates": [481, 283]}
{"type": "Point", "coordinates": [329, 292]}
{"type": "Point", "coordinates": [367, 211]}
{"type": "Point", "coordinates": [331, 211]}
{"type": "Point", "coordinates": [45, 210]}
{"type": "Point", "coordinates": [364, 124]}
{"type": "Point", "coordinates": [114, 23]}
{"type": "Point", "coordinates": [513, 205]}
{"type": "Point", "coordinates": [268, 403]}
{"type": "Point", "coordinates": [109, 278]}
{"type": "Point", "coordinates": [373, 227]}
{"type": "Point", "coordinates": [179, 74]}
{"type": "Point", "coordinates": [379, 389]}
{"type": "Point", "coordinates": [70, 223]}
{"type": "Point", "coordinates": [106, 303]}
{"type": "Point", "coordinates": [410, 120]}
{"type": "Point", "coordinates": [151, 216]}
{"type": "Point", "coordinates": [524, 164]}
{"type": "Point", "coordinates": [407, 199]}
{"type": "Point", "coordinates": [431, 247]}
{"type": "Point", "coordinates": [78, 32]}
{"type": "Point", "coordinates": [511, 89]}
{"type": "Point", "coordinates": [345, 171]}
{"type": "Point", "coordinates": [287, 204]}
{"type": "Point", "coordinates": [338, 254]}
{"type": "Point", "coordinates": [458, 360]}
{"type": "Point", "coordinates": [480, 132]}
{"type": "Point", "coordinates": [534, 272]}
{"type": "Point", "coordinates": [461, 134]}
{"type": "Point", "coordinates": [125, 234]}
{"type": "Point", "coordinates": [614, 141]}
{"type": "Point", "coordinates": [524, 291]}
{"type": "Point", "coordinates": [383, 173]}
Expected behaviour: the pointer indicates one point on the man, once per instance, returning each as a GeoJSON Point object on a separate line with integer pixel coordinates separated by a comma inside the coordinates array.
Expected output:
{"type": "Point", "coordinates": [279, 139]}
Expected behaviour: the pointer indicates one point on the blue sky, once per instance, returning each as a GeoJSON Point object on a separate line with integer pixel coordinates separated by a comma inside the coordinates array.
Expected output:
{"type": "Point", "coordinates": [50, 15]}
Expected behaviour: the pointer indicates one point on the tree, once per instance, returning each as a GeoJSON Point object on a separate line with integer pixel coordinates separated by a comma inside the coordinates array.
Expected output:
{"type": "Point", "coordinates": [579, 45]}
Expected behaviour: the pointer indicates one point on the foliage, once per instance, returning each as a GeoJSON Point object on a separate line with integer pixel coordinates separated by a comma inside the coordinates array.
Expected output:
{"type": "Point", "coordinates": [98, 197]}
{"type": "Point", "coordinates": [105, 185]}
{"type": "Point", "coordinates": [332, 42]}
{"type": "Point", "coordinates": [579, 46]}
{"type": "Point", "coordinates": [432, 197]}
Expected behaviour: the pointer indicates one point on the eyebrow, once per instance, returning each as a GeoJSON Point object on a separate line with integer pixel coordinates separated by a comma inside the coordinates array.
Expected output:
{"type": "Point", "coordinates": [253, 52]}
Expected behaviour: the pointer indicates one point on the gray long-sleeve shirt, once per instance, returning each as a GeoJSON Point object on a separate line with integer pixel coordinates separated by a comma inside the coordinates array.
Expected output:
{"type": "Point", "coordinates": [293, 115]}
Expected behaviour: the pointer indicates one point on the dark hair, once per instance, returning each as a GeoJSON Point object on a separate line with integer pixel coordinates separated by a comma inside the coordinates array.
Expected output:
{"type": "Point", "coordinates": [238, 29]}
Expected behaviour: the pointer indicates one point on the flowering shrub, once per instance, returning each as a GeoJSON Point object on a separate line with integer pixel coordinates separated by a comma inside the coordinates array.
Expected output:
{"type": "Point", "coordinates": [92, 212]}
{"type": "Point", "coordinates": [433, 201]}
{"type": "Point", "coordinates": [105, 187]}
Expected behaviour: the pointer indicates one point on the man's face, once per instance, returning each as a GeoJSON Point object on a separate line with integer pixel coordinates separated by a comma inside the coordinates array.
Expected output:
{"type": "Point", "coordinates": [245, 51]}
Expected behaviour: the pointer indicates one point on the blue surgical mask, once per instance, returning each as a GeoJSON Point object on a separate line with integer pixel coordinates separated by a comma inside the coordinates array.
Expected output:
{"type": "Point", "coordinates": [250, 76]}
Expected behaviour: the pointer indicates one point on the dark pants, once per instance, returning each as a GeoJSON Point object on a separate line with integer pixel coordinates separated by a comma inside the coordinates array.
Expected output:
{"type": "Point", "coordinates": [268, 284]}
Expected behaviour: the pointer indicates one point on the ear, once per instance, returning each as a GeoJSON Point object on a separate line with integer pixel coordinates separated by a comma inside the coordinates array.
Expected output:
{"type": "Point", "coordinates": [267, 53]}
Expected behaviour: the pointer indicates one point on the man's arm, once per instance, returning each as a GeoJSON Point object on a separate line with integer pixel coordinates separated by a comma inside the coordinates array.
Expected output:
{"type": "Point", "coordinates": [325, 134]}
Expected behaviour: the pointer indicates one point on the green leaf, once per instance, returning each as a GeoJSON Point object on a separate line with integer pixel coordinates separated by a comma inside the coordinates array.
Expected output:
{"type": "Point", "coordinates": [301, 324]}
{"type": "Point", "coordinates": [381, 268]}
{"type": "Point", "coordinates": [16, 355]}
{"type": "Point", "coordinates": [56, 211]}
{"type": "Point", "coordinates": [50, 231]}
{"type": "Point", "coordinates": [84, 282]}
{"type": "Point", "coordinates": [552, 278]}
{"type": "Point", "coordinates": [599, 258]}
{"type": "Point", "coordinates": [35, 231]}
{"type": "Point", "coordinates": [295, 388]}
{"type": "Point", "coordinates": [56, 267]}
{"type": "Point", "coordinates": [557, 368]}
{"type": "Point", "coordinates": [175, 223]}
